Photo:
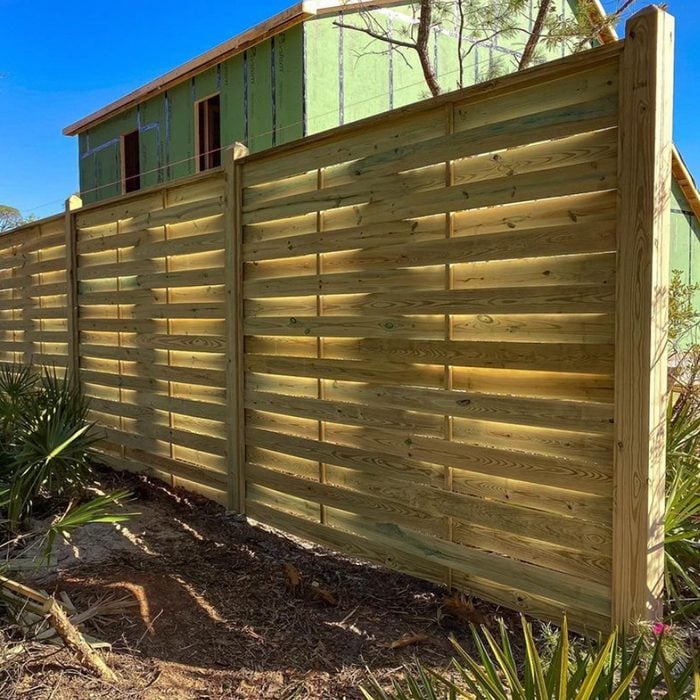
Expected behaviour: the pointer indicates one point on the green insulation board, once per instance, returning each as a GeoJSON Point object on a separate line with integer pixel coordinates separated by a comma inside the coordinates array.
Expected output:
{"type": "Point", "coordinates": [322, 77]}
{"type": "Point", "coordinates": [681, 234]}
{"type": "Point", "coordinates": [151, 140]}
{"type": "Point", "coordinates": [262, 104]}
{"type": "Point", "coordinates": [350, 75]}
{"type": "Point", "coordinates": [259, 96]}
{"type": "Point", "coordinates": [181, 131]}
{"type": "Point", "coordinates": [685, 241]}
{"type": "Point", "coordinates": [288, 73]}
{"type": "Point", "coordinates": [365, 71]}
{"type": "Point", "coordinates": [100, 161]}
{"type": "Point", "coordinates": [206, 84]}
{"type": "Point", "coordinates": [86, 169]}
{"type": "Point", "coordinates": [233, 122]}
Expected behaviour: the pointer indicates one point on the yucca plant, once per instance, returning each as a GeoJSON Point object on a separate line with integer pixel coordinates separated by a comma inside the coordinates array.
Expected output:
{"type": "Point", "coordinates": [682, 520]}
{"type": "Point", "coordinates": [44, 438]}
{"type": "Point", "coordinates": [604, 672]}
{"type": "Point", "coordinates": [103, 508]}
{"type": "Point", "coordinates": [17, 384]}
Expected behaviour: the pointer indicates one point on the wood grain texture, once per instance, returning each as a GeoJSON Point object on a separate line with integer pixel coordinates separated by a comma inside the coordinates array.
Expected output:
{"type": "Point", "coordinates": [646, 97]}
{"type": "Point", "coordinates": [235, 437]}
{"type": "Point", "coordinates": [33, 292]}
{"type": "Point", "coordinates": [153, 329]}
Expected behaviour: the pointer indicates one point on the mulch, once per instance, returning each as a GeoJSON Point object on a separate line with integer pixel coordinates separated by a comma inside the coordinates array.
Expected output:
{"type": "Point", "coordinates": [229, 609]}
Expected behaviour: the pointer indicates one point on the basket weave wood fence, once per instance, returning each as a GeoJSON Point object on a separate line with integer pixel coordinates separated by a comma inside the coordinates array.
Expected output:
{"type": "Point", "coordinates": [434, 338]}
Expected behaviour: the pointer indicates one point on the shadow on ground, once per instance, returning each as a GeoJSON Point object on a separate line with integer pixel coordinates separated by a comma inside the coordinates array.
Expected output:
{"type": "Point", "coordinates": [216, 616]}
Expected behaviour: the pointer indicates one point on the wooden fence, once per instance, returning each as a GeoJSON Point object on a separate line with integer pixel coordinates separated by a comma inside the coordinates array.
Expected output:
{"type": "Point", "coordinates": [435, 338]}
{"type": "Point", "coordinates": [33, 287]}
{"type": "Point", "coordinates": [151, 329]}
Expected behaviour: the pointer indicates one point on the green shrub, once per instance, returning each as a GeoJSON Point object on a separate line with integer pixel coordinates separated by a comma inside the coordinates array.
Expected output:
{"type": "Point", "coordinates": [682, 520]}
{"type": "Point", "coordinates": [682, 315]}
{"type": "Point", "coordinates": [44, 439]}
{"type": "Point", "coordinates": [570, 671]}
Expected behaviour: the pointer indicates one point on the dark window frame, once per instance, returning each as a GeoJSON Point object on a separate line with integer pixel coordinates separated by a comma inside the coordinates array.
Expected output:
{"type": "Point", "coordinates": [208, 132]}
{"type": "Point", "coordinates": [131, 161]}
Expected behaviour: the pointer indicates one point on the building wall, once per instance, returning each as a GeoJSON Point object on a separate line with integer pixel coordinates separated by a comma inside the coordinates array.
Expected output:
{"type": "Point", "coordinates": [261, 104]}
{"type": "Point", "coordinates": [685, 240]}
{"type": "Point", "coordinates": [310, 78]}
{"type": "Point", "coordinates": [350, 76]}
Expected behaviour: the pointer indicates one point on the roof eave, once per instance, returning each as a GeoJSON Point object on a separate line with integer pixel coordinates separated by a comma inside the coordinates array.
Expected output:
{"type": "Point", "coordinates": [285, 19]}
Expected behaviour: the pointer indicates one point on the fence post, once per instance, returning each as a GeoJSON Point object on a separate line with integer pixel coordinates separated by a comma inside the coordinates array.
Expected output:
{"type": "Point", "coordinates": [72, 203]}
{"type": "Point", "coordinates": [644, 186]}
{"type": "Point", "coordinates": [235, 445]}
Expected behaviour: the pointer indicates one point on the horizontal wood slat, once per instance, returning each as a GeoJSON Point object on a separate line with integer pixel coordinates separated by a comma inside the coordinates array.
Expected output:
{"type": "Point", "coordinates": [152, 329]}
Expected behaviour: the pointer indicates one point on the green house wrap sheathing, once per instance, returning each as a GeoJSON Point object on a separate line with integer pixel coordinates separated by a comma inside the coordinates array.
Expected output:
{"type": "Point", "coordinates": [151, 122]}
{"type": "Point", "coordinates": [262, 104]}
{"type": "Point", "coordinates": [180, 131]}
{"type": "Point", "coordinates": [259, 96]}
{"type": "Point", "coordinates": [288, 102]}
{"type": "Point", "coordinates": [233, 126]}
{"type": "Point", "coordinates": [685, 241]}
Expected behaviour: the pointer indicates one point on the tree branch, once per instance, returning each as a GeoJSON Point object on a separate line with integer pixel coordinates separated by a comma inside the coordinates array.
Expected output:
{"type": "Point", "coordinates": [424, 26]}
{"type": "Point", "coordinates": [460, 42]}
{"type": "Point", "coordinates": [610, 19]}
{"type": "Point", "coordinates": [375, 35]}
{"type": "Point", "coordinates": [531, 45]}
{"type": "Point", "coordinates": [420, 46]}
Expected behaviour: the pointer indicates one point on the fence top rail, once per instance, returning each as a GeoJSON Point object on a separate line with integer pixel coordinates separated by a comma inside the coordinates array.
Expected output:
{"type": "Point", "coordinates": [151, 189]}
{"type": "Point", "coordinates": [121, 198]}
{"type": "Point", "coordinates": [31, 224]}
{"type": "Point", "coordinates": [507, 83]}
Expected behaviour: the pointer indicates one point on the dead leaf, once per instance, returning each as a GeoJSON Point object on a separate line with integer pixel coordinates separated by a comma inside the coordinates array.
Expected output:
{"type": "Point", "coordinates": [462, 608]}
{"type": "Point", "coordinates": [293, 576]}
{"type": "Point", "coordinates": [323, 593]}
{"type": "Point", "coordinates": [408, 640]}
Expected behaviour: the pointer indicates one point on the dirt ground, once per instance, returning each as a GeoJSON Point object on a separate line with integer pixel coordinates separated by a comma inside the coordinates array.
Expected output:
{"type": "Point", "coordinates": [218, 611]}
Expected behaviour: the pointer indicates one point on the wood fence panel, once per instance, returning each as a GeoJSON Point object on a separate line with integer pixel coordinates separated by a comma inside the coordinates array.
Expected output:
{"type": "Point", "coordinates": [33, 317]}
{"type": "Point", "coordinates": [152, 331]}
{"type": "Point", "coordinates": [429, 312]}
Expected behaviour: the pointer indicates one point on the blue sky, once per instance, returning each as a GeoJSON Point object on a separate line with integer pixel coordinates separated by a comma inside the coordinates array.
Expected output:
{"type": "Point", "coordinates": [60, 62]}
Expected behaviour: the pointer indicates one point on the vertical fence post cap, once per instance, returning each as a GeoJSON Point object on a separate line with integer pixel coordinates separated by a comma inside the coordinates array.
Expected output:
{"type": "Point", "coordinates": [74, 202]}
{"type": "Point", "coordinates": [236, 151]}
{"type": "Point", "coordinates": [235, 451]}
